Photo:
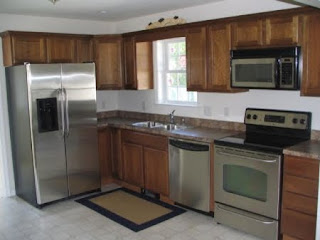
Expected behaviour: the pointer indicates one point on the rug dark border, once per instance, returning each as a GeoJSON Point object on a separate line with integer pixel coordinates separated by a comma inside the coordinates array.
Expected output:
{"type": "Point", "coordinates": [125, 222]}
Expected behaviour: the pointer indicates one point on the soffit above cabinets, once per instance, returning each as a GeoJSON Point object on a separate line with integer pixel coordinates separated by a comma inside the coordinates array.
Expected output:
{"type": "Point", "coordinates": [111, 10]}
{"type": "Point", "coordinates": [313, 3]}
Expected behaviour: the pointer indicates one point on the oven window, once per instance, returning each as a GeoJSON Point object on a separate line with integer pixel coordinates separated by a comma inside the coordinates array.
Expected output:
{"type": "Point", "coordinates": [244, 181]}
{"type": "Point", "coordinates": [260, 73]}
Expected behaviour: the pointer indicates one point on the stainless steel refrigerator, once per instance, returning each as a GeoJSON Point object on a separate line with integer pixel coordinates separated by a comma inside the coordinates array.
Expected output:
{"type": "Point", "coordinates": [53, 125]}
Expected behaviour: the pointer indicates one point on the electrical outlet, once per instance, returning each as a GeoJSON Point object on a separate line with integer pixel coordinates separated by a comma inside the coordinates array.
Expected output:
{"type": "Point", "coordinates": [226, 111]}
{"type": "Point", "coordinates": [103, 104]}
{"type": "Point", "coordinates": [207, 111]}
{"type": "Point", "coordinates": [143, 105]}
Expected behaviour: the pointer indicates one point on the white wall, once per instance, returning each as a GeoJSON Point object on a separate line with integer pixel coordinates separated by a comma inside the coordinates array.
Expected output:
{"type": "Point", "coordinates": [38, 24]}
{"type": "Point", "coordinates": [229, 107]}
{"type": "Point", "coordinates": [226, 8]}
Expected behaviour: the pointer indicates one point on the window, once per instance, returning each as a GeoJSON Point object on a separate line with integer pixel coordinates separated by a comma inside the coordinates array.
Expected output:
{"type": "Point", "coordinates": [170, 59]}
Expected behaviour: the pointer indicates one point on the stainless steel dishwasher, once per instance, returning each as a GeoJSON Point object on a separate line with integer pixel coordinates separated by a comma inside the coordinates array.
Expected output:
{"type": "Point", "coordinates": [189, 173]}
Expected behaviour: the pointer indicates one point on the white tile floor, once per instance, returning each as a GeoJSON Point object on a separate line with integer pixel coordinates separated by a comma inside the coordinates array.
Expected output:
{"type": "Point", "coordinates": [69, 220]}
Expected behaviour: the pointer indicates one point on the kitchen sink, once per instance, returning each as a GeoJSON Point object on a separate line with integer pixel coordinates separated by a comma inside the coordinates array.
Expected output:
{"type": "Point", "coordinates": [158, 125]}
{"type": "Point", "coordinates": [148, 124]}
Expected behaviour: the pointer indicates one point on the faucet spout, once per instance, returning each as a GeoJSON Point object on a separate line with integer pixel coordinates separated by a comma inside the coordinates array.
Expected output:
{"type": "Point", "coordinates": [171, 115]}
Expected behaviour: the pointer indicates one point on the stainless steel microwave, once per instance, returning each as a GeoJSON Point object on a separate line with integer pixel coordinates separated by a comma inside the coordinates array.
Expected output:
{"type": "Point", "coordinates": [276, 68]}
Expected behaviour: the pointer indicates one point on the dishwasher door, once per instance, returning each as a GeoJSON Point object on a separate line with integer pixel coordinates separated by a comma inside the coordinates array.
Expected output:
{"type": "Point", "coordinates": [189, 173]}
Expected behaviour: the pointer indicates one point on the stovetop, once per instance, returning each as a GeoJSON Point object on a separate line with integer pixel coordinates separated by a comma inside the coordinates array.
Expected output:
{"type": "Point", "coordinates": [266, 143]}
{"type": "Point", "coordinates": [271, 130]}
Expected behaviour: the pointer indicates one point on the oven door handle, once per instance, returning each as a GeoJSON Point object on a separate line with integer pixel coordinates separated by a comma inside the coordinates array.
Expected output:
{"type": "Point", "coordinates": [239, 212]}
{"type": "Point", "coordinates": [266, 159]}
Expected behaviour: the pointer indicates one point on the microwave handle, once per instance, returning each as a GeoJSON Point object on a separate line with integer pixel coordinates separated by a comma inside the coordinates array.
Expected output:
{"type": "Point", "coordinates": [277, 72]}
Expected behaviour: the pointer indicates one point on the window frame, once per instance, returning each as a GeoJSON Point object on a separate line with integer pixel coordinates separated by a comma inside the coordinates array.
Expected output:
{"type": "Point", "coordinates": [161, 73]}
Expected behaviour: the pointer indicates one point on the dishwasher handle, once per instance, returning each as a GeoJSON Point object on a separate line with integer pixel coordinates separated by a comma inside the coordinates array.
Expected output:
{"type": "Point", "coordinates": [189, 146]}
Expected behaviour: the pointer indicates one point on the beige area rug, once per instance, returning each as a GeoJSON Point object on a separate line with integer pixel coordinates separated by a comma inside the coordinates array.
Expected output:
{"type": "Point", "coordinates": [130, 209]}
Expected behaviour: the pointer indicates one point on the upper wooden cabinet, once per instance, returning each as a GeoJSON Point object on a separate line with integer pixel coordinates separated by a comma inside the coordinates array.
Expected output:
{"type": "Point", "coordinates": [311, 52]}
{"type": "Point", "coordinates": [20, 47]}
{"type": "Point", "coordinates": [247, 33]}
{"type": "Point", "coordinates": [61, 50]}
{"type": "Point", "coordinates": [84, 50]}
{"type": "Point", "coordinates": [283, 30]}
{"type": "Point", "coordinates": [138, 64]}
{"type": "Point", "coordinates": [278, 30]}
{"type": "Point", "coordinates": [108, 59]}
{"type": "Point", "coordinates": [219, 46]}
{"type": "Point", "coordinates": [23, 47]}
{"type": "Point", "coordinates": [196, 48]}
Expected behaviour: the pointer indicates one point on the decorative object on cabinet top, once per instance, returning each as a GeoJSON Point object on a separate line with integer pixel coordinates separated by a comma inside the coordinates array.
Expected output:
{"type": "Point", "coordinates": [165, 22]}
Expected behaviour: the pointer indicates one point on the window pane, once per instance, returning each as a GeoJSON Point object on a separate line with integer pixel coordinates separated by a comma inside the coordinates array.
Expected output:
{"type": "Point", "coordinates": [172, 94]}
{"type": "Point", "coordinates": [182, 79]}
{"type": "Point", "coordinates": [182, 94]}
{"type": "Point", "coordinates": [177, 56]}
{"type": "Point", "coordinates": [192, 96]}
{"type": "Point", "coordinates": [172, 79]}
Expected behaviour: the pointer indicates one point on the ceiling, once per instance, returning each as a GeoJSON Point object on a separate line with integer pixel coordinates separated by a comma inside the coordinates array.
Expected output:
{"type": "Point", "coordinates": [105, 10]}
{"type": "Point", "coordinates": [313, 3]}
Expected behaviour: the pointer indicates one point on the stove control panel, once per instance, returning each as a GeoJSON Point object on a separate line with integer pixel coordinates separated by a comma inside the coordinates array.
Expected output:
{"type": "Point", "coordinates": [276, 118]}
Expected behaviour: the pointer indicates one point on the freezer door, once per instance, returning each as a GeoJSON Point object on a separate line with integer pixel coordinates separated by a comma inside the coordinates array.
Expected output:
{"type": "Point", "coordinates": [46, 101]}
{"type": "Point", "coordinates": [79, 85]}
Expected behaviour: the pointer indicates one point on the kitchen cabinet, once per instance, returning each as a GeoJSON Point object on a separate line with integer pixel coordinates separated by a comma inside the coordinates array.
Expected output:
{"type": "Point", "coordinates": [84, 50]}
{"type": "Point", "coordinates": [196, 48]}
{"type": "Point", "coordinates": [20, 47]}
{"type": "Point", "coordinates": [108, 59]}
{"type": "Point", "coordinates": [138, 64]}
{"type": "Point", "coordinates": [145, 161]}
{"type": "Point", "coordinates": [300, 197]}
{"type": "Point", "coordinates": [104, 139]}
{"type": "Point", "coordinates": [311, 52]}
{"type": "Point", "coordinates": [247, 33]}
{"type": "Point", "coordinates": [219, 46]}
{"type": "Point", "coordinates": [61, 49]}
{"type": "Point", "coordinates": [116, 159]}
{"type": "Point", "coordinates": [277, 30]}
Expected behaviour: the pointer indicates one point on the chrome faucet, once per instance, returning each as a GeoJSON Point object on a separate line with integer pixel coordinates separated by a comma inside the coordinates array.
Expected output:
{"type": "Point", "coordinates": [171, 115]}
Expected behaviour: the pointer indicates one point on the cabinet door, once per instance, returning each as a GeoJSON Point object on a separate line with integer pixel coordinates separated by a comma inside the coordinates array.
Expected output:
{"type": "Point", "coordinates": [108, 58]}
{"type": "Point", "coordinates": [61, 49]}
{"type": "Point", "coordinates": [84, 50]}
{"type": "Point", "coordinates": [247, 33]}
{"type": "Point", "coordinates": [219, 46]}
{"type": "Point", "coordinates": [144, 65]}
{"type": "Point", "coordinates": [116, 160]}
{"type": "Point", "coordinates": [132, 155]}
{"type": "Point", "coordinates": [311, 53]}
{"type": "Point", "coordinates": [156, 170]}
{"type": "Point", "coordinates": [283, 31]}
{"type": "Point", "coordinates": [196, 45]}
{"type": "Point", "coordinates": [28, 48]}
{"type": "Point", "coordinates": [104, 156]}
{"type": "Point", "coordinates": [130, 80]}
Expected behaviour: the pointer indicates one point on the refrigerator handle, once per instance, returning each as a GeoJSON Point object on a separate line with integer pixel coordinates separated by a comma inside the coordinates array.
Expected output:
{"type": "Point", "coordinates": [66, 112]}
{"type": "Point", "coordinates": [61, 100]}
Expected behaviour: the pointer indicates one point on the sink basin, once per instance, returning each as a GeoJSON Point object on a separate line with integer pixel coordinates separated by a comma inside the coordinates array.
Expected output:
{"type": "Point", "coordinates": [148, 124]}
{"type": "Point", "coordinates": [158, 125]}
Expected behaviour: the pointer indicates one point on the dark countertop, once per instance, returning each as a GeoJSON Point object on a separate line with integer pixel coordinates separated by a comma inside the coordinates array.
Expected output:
{"type": "Point", "coordinates": [201, 134]}
{"type": "Point", "coordinates": [307, 149]}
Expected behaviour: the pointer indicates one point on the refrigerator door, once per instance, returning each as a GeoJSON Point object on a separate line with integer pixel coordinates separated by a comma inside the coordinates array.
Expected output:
{"type": "Point", "coordinates": [46, 101]}
{"type": "Point", "coordinates": [79, 85]}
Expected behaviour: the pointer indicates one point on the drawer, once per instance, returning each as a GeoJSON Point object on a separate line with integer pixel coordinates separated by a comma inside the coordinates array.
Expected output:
{"type": "Point", "coordinates": [148, 140]}
{"type": "Point", "coordinates": [298, 225]}
{"type": "Point", "coordinates": [300, 203]}
{"type": "Point", "coordinates": [302, 167]}
{"type": "Point", "coordinates": [303, 186]}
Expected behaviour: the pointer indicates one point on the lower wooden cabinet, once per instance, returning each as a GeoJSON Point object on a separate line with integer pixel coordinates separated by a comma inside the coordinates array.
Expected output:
{"type": "Point", "coordinates": [156, 170]}
{"type": "Point", "coordinates": [133, 164]}
{"type": "Point", "coordinates": [104, 138]}
{"type": "Point", "coordinates": [145, 161]}
{"type": "Point", "coordinates": [299, 198]}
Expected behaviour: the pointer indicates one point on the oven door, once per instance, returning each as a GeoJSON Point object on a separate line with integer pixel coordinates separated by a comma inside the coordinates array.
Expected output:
{"type": "Point", "coordinates": [254, 73]}
{"type": "Point", "coordinates": [248, 180]}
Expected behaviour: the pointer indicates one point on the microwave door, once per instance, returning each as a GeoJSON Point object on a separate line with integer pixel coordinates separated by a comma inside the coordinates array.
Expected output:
{"type": "Point", "coordinates": [254, 73]}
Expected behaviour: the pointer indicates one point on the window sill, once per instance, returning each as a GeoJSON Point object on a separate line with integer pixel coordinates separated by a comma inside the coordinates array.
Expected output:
{"type": "Point", "coordinates": [178, 104]}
